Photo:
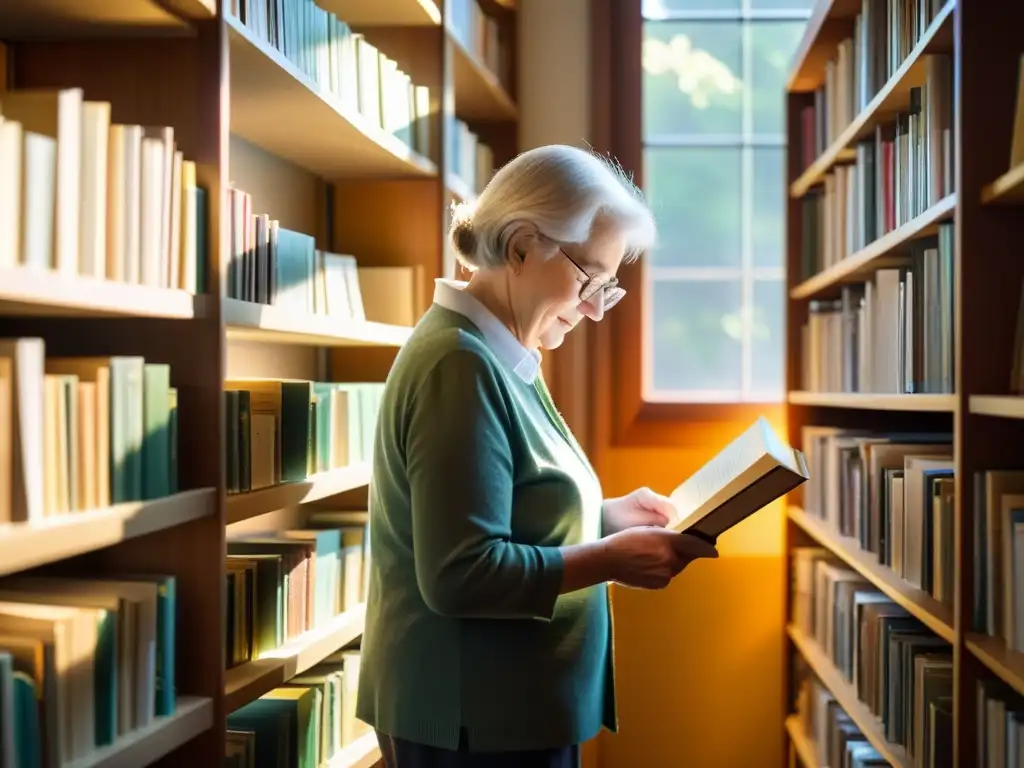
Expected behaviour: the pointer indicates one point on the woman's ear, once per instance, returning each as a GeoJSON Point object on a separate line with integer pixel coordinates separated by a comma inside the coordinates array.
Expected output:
{"type": "Point", "coordinates": [518, 246]}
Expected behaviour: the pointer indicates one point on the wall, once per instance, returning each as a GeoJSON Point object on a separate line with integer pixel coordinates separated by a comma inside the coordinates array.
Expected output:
{"type": "Point", "coordinates": [699, 665]}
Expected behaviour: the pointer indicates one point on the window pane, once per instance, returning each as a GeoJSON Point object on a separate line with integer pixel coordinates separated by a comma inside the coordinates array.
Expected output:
{"type": "Point", "coordinates": [696, 335]}
{"type": "Point", "coordinates": [767, 331]}
{"type": "Point", "coordinates": [800, 5]}
{"type": "Point", "coordinates": [772, 46]}
{"type": "Point", "coordinates": [769, 213]}
{"type": "Point", "coordinates": [691, 77]}
{"type": "Point", "coordinates": [695, 196]}
{"type": "Point", "coordinates": [657, 9]}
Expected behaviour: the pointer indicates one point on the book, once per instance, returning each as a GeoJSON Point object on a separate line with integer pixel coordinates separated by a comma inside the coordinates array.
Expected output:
{"type": "Point", "coordinates": [752, 471]}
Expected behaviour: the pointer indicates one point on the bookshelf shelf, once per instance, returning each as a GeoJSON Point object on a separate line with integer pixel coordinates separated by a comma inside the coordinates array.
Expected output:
{"type": "Point", "coordinates": [933, 614]}
{"type": "Point", "coordinates": [277, 107]}
{"type": "Point", "coordinates": [830, 21]}
{"type": "Point", "coordinates": [248, 682]}
{"type": "Point", "coordinates": [28, 19]}
{"type": "Point", "coordinates": [846, 696]}
{"type": "Point", "coordinates": [262, 322]}
{"type": "Point", "coordinates": [385, 13]}
{"type": "Point", "coordinates": [882, 252]}
{"type": "Point", "coordinates": [25, 291]}
{"type": "Point", "coordinates": [1004, 663]}
{"type": "Point", "coordinates": [364, 752]}
{"type": "Point", "coordinates": [24, 545]}
{"type": "Point", "coordinates": [874, 402]}
{"type": "Point", "coordinates": [243, 506]}
{"type": "Point", "coordinates": [892, 98]}
{"type": "Point", "coordinates": [479, 95]}
{"type": "Point", "coordinates": [1004, 406]}
{"type": "Point", "coordinates": [801, 743]}
{"type": "Point", "coordinates": [1008, 189]}
{"type": "Point", "coordinates": [192, 716]}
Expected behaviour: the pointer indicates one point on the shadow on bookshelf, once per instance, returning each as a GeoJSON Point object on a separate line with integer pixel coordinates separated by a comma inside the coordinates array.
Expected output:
{"type": "Point", "coordinates": [249, 681]}
{"type": "Point", "coordinates": [857, 266]}
{"type": "Point", "coordinates": [24, 545]}
{"type": "Point", "coordinates": [243, 506]}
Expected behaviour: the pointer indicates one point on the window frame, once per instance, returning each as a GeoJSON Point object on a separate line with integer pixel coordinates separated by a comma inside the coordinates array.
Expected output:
{"type": "Point", "coordinates": [623, 416]}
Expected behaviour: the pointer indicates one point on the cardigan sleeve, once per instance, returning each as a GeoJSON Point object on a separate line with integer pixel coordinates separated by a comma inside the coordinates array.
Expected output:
{"type": "Point", "coordinates": [460, 470]}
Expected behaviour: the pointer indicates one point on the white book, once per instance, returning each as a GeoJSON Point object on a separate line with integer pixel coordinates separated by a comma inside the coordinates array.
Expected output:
{"type": "Point", "coordinates": [39, 178]}
{"type": "Point", "coordinates": [10, 192]}
{"type": "Point", "coordinates": [92, 250]}
{"type": "Point", "coordinates": [28, 356]}
{"type": "Point", "coordinates": [151, 230]}
{"type": "Point", "coordinates": [752, 471]}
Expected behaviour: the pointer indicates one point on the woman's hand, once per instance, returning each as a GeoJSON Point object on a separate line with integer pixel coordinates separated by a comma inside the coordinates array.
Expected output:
{"type": "Point", "coordinates": [649, 557]}
{"type": "Point", "coordinates": [641, 507]}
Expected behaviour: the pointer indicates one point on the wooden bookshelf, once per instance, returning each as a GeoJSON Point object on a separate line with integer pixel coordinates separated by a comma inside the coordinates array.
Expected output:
{"type": "Point", "coordinates": [255, 123]}
{"type": "Point", "coordinates": [846, 696]}
{"type": "Point", "coordinates": [920, 604]}
{"type": "Point", "coordinates": [802, 745]}
{"type": "Point", "coordinates": [983, 44]}
{"type": "Point", "coordinates": [873, 402]}
{"type": "Point", "coordinates": [247, 682]}
{"type": "Point", "coordinates": [885, 251]}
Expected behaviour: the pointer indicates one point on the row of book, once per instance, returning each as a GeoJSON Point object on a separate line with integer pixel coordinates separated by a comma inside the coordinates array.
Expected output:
{"type": "Point", "coordinates": [836, 739]}
{"type": "Point", "coordinates": [897, 174]}
{"type": "Point", "coordinates": [82, 433]}
{"type": "Point", "coordinates": [472, 161]}
{"type": "Point", "coordinates": [481, 34]}
{"type": "Point", "coordinates": [283, 431]}
{"type": "Point", "coordinates": [998, 585]}
{"type": "Point", "coordinates": [884, 34]}
{"type": "Point", "coordinates": [890, 495]}
{"type": "Point", "coordinates": [1000, 725]}
{"type": "Point", "coordinates": [898, 668]}
{"type": "Point", "coordinates": [893, 333]}
{"type": "Point", "coordinates": [305, 722]}
{"type": "Point", "coordinates": [84, 196]}
{"type": "Point", "coordinates": [282, 583]}
{"type": "Point", "coordinates": [280, 267]}
{"type": "Point", "coordinates": [84, 661]}
{"type": "Point", "coordinates": [343, 65]}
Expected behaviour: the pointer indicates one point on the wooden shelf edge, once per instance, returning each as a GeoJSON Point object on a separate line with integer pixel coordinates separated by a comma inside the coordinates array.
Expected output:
{"type": "Point", "coordinates": [1008, 189]}
{"type": "Point", "coordinates": [364, 752]}
{"type": "Point", "coordinates": [1003, 406]}
{"type": "Point", "coordinates": [856, 263]}
{"type": "Point", "coordinates": [25, 545]}
{"type": "Point", "coordinates": [992, 652]}
{"type": "Point", "coordinates": [875, 402]}
{"type": "Point", "coordinates": [839, 150]}
{"type": "Point", "coordinates": [247, 682]}
{"type": "Point", "coordinates": [243, 506]}
{"type": "Point", "coordinates": [264, 322]}
{"type": "Point", "coordinates": [846, 696]}
{"type": "Point", "coordinates": [192, 716]}
{"type": "Point", "coordinates": [801, 742]}
{"type": "Point", "coordinates": [505, 106]}
{"type": "Point", "coordinates": [930, 612]}
{"type": "Point", "coordinates": [48, 292]}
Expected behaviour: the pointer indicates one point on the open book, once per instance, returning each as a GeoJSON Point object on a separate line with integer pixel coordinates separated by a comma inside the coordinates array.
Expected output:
{"type": "Point", "coordinates": [753, 470]}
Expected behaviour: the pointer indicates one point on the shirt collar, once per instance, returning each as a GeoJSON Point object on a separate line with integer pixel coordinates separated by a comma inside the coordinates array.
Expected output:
{"type": "Point", "coordinates": [523, 362]}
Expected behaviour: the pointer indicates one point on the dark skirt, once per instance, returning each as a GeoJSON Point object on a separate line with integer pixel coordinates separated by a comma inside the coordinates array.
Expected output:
{"type": "Point", "coordinates": [399, 753]}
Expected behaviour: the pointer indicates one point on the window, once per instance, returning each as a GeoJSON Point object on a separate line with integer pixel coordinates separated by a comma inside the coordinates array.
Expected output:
{"type": "Point", "coordinates": [714, 74]}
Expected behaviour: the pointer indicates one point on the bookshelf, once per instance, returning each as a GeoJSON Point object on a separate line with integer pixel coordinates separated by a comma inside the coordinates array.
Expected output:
{"type": "Point", "coordinates": [274, 207]}
{"type": "Point", "coordinates": [902, 371]}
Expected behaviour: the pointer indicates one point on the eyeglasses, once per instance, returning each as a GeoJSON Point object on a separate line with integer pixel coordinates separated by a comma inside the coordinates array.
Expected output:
{"type": "Point", "coordinates": [600, 281]}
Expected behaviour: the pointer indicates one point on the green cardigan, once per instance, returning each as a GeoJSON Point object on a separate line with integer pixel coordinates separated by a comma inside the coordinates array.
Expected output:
{"type": "Point", "coordinates": [476, 483]}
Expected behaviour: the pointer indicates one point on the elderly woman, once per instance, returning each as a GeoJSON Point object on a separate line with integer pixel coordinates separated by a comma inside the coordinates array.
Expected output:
{"type": "Point", "coordinates": [488, 635]}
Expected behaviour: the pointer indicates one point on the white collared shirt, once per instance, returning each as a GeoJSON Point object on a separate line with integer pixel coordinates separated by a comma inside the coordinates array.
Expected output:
{"type": "Point", "coordinates": [525, 363]}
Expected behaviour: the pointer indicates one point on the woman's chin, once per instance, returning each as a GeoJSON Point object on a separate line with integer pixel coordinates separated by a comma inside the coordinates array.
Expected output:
{"type": "Point", "coordinates": [553, 337]}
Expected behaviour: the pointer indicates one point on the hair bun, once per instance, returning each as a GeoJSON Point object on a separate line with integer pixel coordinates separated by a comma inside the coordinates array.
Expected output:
{"type": "Point", "coordinates": [463, 234]}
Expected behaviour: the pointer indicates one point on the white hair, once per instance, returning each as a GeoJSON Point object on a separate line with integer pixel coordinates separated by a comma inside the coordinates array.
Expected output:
{"type": "Point", "coordinates": [559, 189]}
